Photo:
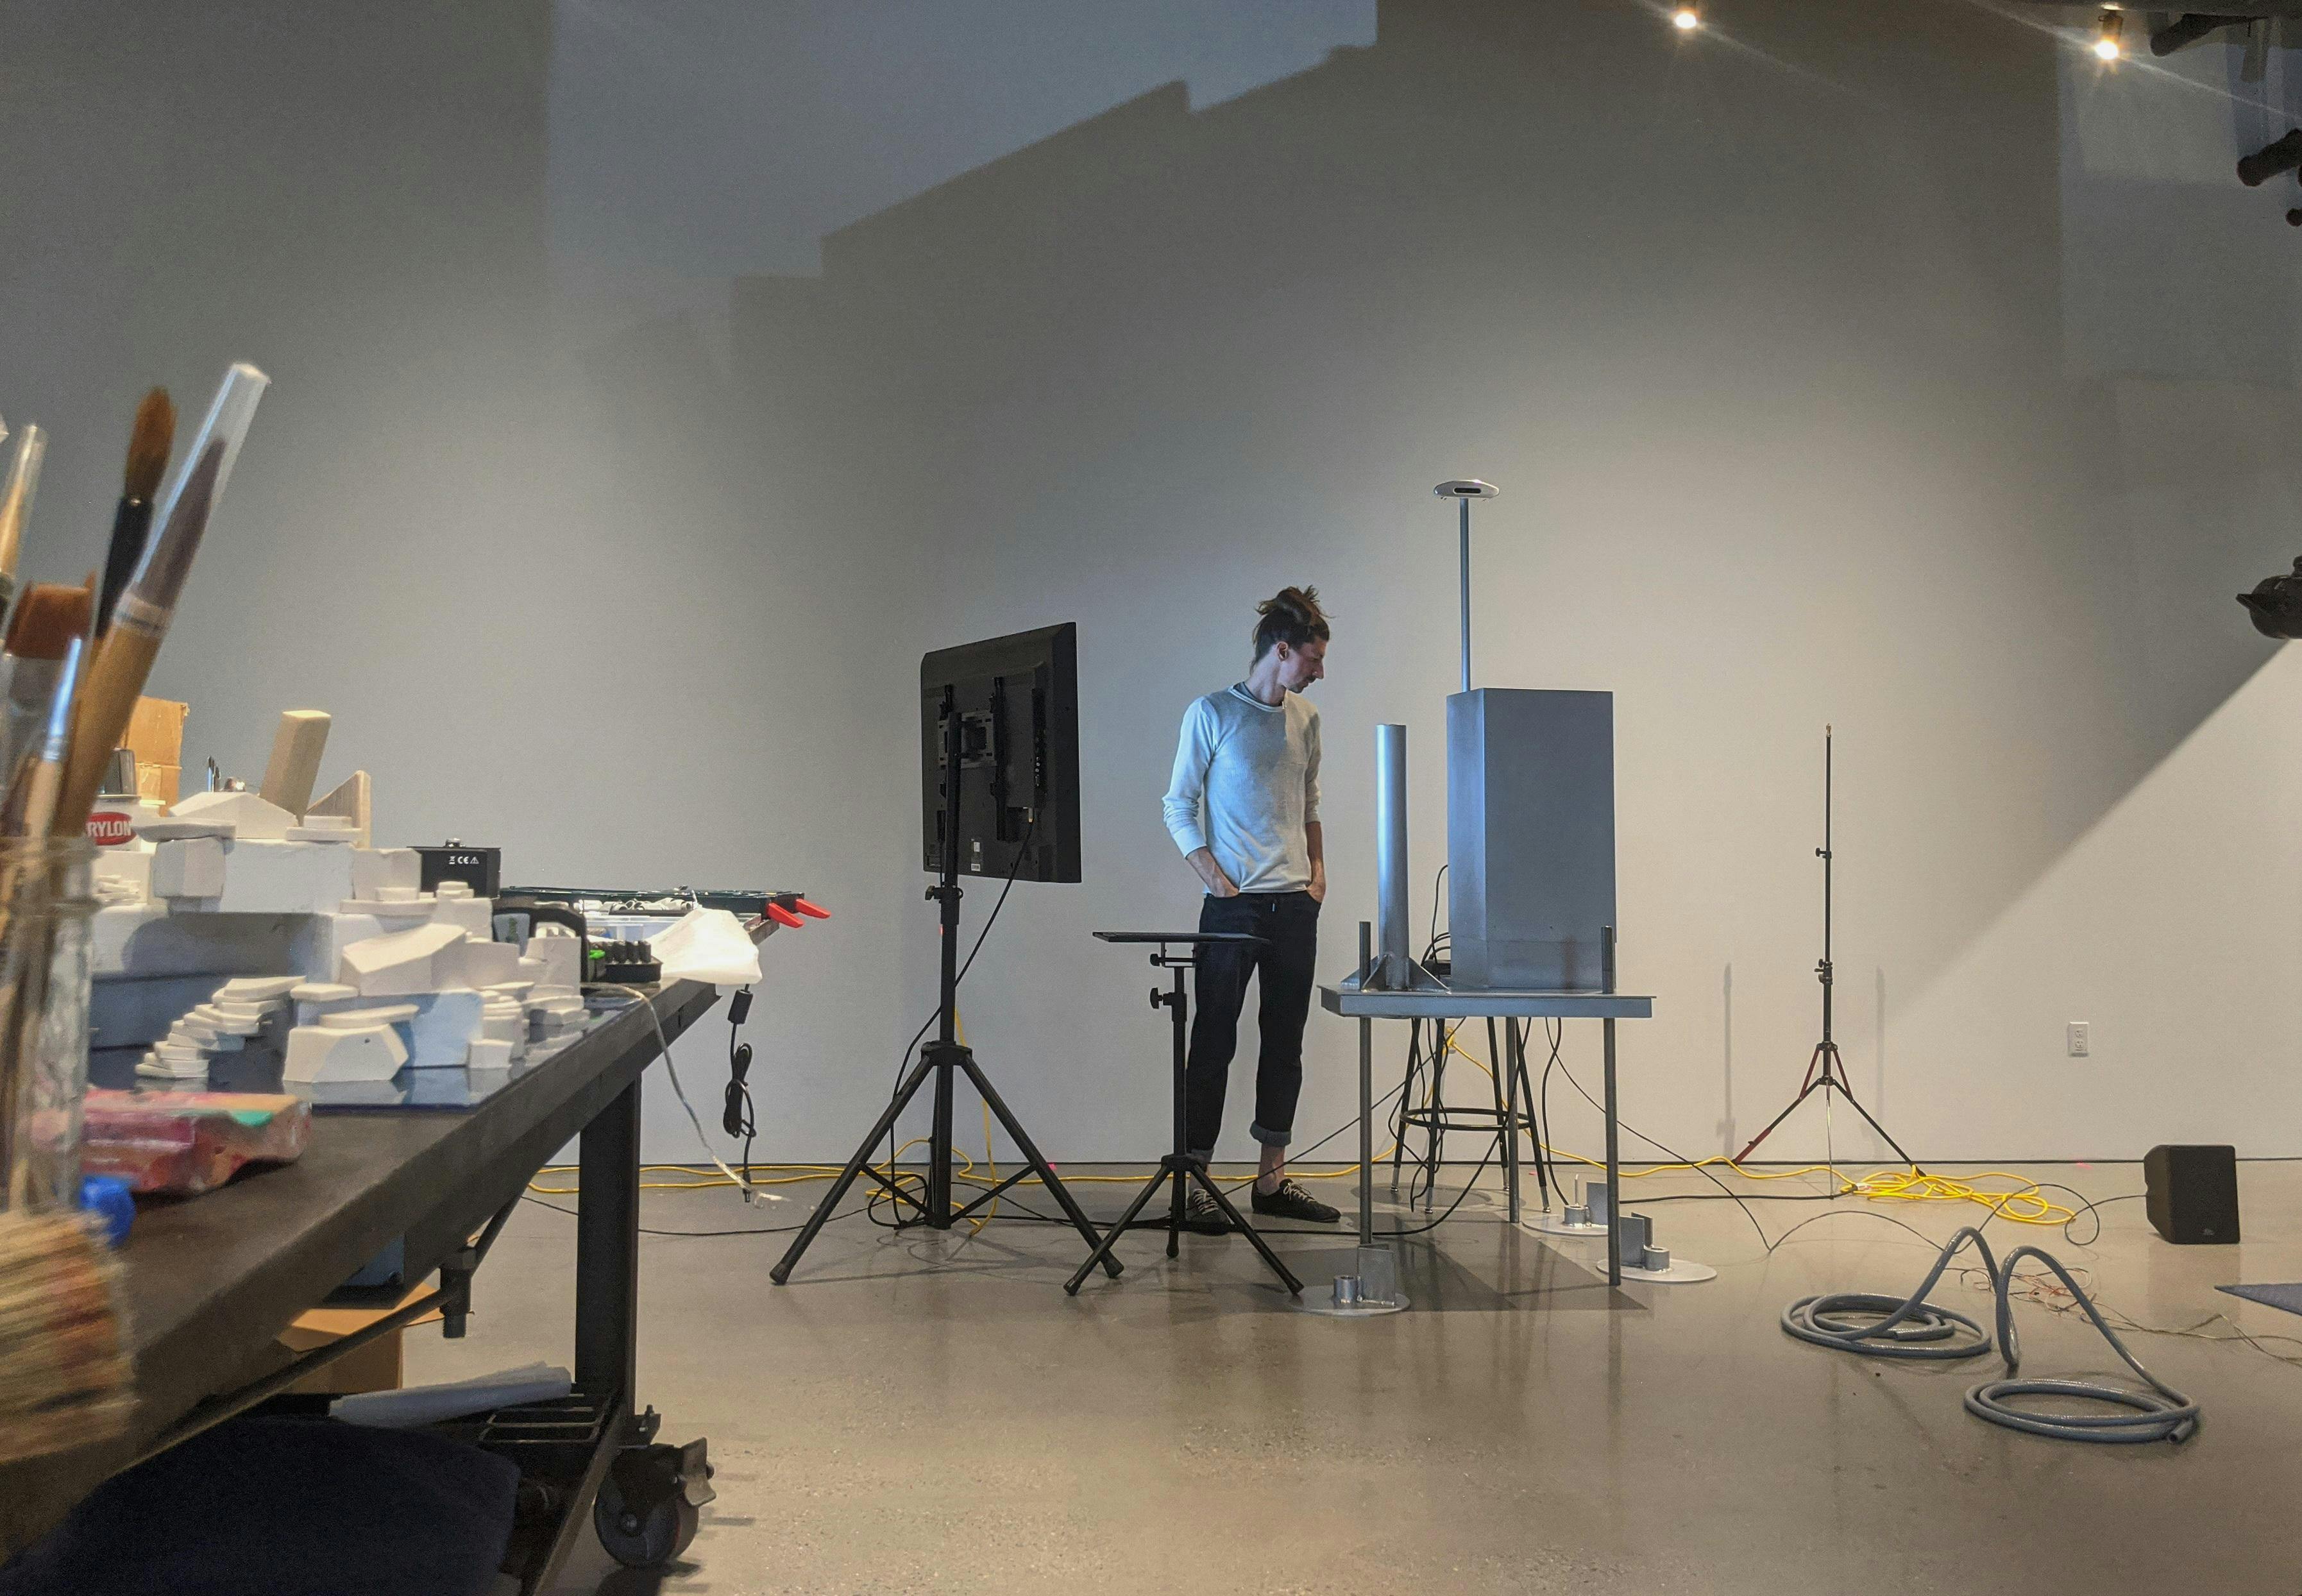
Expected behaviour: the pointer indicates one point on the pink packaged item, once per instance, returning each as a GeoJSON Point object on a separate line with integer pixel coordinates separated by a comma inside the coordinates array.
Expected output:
{"type": "Point", "coordinates": [184, 1143]}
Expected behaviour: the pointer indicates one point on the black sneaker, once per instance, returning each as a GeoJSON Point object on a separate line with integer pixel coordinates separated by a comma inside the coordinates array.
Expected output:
{"type": "Point", "coordinates": [1290, 1201]}
{"type": "Point", "coordinates": [1201, 1214]}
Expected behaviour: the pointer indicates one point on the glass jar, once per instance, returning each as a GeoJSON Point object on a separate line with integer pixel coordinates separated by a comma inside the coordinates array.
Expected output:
{"type": "Point", "coordinates": [47, 897]}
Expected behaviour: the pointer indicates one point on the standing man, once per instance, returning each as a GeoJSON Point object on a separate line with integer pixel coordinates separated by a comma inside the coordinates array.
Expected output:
{"type": "Point", "coordinates": [1250, 757]}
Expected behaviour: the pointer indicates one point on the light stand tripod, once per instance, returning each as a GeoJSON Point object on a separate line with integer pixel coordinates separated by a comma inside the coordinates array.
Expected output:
{"type": "Point", "coordinates": [943, 1058]}
{"type": "Point", "coordinates": [1181, 1167]}
{"type": "Point", "coordinates": [1826, 1072]}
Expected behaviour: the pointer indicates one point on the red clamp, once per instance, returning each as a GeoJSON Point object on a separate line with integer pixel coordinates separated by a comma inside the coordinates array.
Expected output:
{"type": "Point", "coordinates": [784, 917]}
{"type": "Point", "coordinates": [813, 912]}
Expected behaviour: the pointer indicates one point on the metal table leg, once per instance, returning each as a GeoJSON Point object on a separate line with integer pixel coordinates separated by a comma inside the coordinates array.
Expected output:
{"type": "Point", "coordinates": [1614, 1163]}
{"type": "Point", "coordinates": [608, 1249]}
{"type": "Point", "coordinates": [1504, 1067]}
{"type": "Point", "coordinates": [1614, 1171]}
{"type": "Point", "coordinates": [1366, 1130]}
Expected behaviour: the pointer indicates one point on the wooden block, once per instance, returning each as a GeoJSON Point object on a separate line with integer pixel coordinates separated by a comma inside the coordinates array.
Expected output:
{"type": "Point", "coordinates": [295, 763]}
{"type": "Point", "coordinates": [348, 799]}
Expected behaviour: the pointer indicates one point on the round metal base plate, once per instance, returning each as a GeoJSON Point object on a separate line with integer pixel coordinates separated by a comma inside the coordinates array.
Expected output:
{"type": "Point", "coordinates": [1683, 1271]}
{"type": "Point", "coordinates": [1324, 1305]}
{"type": "Point", "coordinates": [1551, 1224]}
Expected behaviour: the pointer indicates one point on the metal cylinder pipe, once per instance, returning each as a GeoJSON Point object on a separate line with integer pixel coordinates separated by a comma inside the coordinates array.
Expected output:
{"type": "Point", "coordinates": [1393, 956]}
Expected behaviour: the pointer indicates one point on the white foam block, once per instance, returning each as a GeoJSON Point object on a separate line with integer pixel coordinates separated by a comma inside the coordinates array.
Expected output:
{"type": "Point", "coordinates": [477, 962]}
{"type": "Point", "coordinates": [491, 1054]}
{"type": "Point", "coordinates": [387, 1014]}
{"type": "Point", "coordinates": [402, 912]}
{"type": "Point", "coordinates": [441, 1031]}
{"type": "Point", "coordinates": [153, 1065]}
{"type": "Point", "coordinates": [258, 988]}
{"type": "Point", "coordinates": [317, 1053]}
{"type": "Point", "coordinates": [560, 952]}
{"type": "Point", "coordinates": [283, 877]}
{"type": "Point", "coordinates": [321, 992]}
{"type": "Point", "coordinates": [192, 867]}
{"type": "Point", "coordinates": [124, 874]}
{"type": "Point", "coordinates": [251, 818]}
{"type": "Point", "coordinates": [325, 835]}
{"type": "Point", "coordinates": [475, 915]}
{"type": "Point", "coordinates": [400, 963]}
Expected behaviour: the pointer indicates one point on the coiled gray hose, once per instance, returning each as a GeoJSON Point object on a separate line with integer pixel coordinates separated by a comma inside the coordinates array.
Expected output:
{"type": "Point", "coordinates": [1911, 1327]}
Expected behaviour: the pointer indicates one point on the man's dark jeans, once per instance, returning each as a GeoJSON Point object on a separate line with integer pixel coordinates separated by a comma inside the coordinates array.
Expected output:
{"type": "Point", "coordinates": [1289, 921]}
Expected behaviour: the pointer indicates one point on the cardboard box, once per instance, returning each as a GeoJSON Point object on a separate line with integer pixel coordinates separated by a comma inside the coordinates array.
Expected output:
{"type": "Point", "coordinates": [156, 733]}
{"type": "Point", "coordinates": [378, 1366]}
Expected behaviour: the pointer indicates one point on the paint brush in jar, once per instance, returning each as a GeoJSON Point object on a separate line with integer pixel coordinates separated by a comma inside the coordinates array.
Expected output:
{"type": "Point", "coordinates": [148, 605]}
{"type": "Point", "coordinates": [148, 443]}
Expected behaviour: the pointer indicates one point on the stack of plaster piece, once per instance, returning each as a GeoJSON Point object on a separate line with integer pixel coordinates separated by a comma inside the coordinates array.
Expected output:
{"type": "Point", "coordinates": [243, 1011]}
{"type": "Point", "coordinates": [438, 993]}
{"type": "Point", "coordinates": [554, 962]}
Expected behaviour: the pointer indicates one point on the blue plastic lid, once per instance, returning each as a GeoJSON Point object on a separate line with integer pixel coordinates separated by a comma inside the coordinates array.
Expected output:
{"type": "Point", "coordinates": [108, 1197]}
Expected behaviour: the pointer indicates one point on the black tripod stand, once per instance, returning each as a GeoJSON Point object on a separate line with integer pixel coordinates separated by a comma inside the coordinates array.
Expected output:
{"type": "Point", "coordinates": [942, 1058]}
{"type": "Point", "coordinates": [1178, 1168]}
{"type": "Point", "coordinates": [1826, 1072]}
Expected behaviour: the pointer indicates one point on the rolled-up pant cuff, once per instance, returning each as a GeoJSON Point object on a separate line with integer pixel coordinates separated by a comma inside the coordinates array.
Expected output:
{"type": "Point", "coordinates": [1267, 1137]}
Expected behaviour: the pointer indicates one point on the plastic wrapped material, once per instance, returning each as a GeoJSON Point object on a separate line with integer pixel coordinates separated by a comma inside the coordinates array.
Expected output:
{"type": "Point", "coordinates": [709, 944]}
{"type": "Point", "coordinates": [184, 1143]}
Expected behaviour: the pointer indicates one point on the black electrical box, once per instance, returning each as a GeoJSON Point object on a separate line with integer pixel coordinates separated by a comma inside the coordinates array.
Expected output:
{"type": "Point", "coordinates": [480, 868]}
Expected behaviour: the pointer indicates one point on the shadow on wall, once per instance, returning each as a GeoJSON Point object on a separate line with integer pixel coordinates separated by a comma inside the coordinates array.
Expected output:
{"type": "Point", "coordinates": [1767, 342]}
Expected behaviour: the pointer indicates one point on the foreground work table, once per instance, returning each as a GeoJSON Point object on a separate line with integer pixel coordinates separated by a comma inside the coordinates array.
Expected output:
{"type": "Point", "coordinates": [1606, 1007]}
{"type": "Point", "coordinates": [210, 1281]}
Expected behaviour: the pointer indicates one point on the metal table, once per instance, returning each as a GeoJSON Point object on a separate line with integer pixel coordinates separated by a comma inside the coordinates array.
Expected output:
{"type": "Point", "coordinates": [1367, 1007]}
{"type": "Point", "coordinates": [211, 1281]}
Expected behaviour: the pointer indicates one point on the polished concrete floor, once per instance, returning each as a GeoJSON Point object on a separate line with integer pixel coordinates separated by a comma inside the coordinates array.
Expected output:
{"type": "Point", "coordinates": [928, 1412]}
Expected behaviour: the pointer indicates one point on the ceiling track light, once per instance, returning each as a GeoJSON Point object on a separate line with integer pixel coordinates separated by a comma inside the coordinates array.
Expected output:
{"type": "Point", "coordinates": [2109, 34]}
{"type": "Point", "coordinates": [1686, 16]}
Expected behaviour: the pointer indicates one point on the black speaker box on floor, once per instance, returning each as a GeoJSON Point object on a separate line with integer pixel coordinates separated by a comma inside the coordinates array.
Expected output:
{"type": "Point", "coordinates": [2191, 1194]}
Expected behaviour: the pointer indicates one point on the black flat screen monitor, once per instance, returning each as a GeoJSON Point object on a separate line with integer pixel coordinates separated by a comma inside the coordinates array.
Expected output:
{"type": "Point", "coordinates": [1017, 700]}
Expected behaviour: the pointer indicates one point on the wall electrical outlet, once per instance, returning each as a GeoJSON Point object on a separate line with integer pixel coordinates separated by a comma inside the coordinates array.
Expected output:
{"type": "Point", "coordinates": [2078, 1040]}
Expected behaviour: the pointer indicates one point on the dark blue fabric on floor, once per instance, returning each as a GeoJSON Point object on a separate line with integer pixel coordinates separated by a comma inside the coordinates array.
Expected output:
{"type": "Point", "coordinates": [277, 1506]}
{"type": "Point", "coordinates": [2289, 1297]}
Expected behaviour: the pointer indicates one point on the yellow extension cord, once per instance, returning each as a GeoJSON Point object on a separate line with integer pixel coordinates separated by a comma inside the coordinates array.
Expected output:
{"type": "Point", "coordinates": [2022, 1204]}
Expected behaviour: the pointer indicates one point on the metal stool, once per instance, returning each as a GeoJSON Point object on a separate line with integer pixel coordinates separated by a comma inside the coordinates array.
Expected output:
{"type": "Point", "coordinates": [1508, 1079]}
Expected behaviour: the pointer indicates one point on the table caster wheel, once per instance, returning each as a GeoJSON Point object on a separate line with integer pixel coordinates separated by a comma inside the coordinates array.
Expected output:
{"type": "Point", "coordinates": [644, 1540]}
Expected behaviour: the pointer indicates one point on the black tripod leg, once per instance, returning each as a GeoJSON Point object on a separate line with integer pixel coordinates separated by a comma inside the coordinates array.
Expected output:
{"type": "Point", "coordinates": [1855, 1103]}
{"type": "Point", "coordinates": [1102, 1252]}
{"type": "Point", "coordinates": [1779, 1119]}
{"type": "Point", "coordinates": [824, 1209]}
{"type": "Point", "coordinates": [1240, 1222]}
{"type": "Point", "coordinates": [1175, 1218]}
{"type": "Point", "coordinates": [1022, 1140]}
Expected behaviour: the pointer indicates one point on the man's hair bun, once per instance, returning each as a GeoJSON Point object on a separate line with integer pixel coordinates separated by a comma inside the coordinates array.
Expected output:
{"type": "Point", "coordinates": [1291, 616]}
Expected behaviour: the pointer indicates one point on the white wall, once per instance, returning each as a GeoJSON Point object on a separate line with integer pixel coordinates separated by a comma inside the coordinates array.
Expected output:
{"type": "Point", "coordinates": [1887, 366]}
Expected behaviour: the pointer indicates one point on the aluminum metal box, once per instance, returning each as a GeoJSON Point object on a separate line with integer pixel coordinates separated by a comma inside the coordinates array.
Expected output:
{"type": "Point", "coordinates": [1530, 838]}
